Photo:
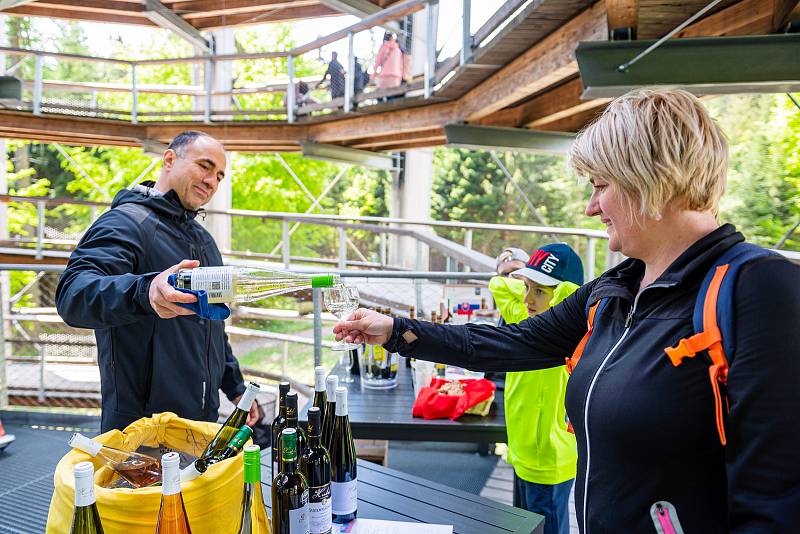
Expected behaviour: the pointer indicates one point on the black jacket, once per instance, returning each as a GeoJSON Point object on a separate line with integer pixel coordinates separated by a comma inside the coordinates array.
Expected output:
{"type": "Point", "coordinates": [646, 430]}
{"type": "Point", "coordinates": [147, 364]}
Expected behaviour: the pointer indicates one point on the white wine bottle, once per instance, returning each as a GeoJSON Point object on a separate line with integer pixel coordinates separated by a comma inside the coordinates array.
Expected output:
{"type": "Point", "coordinates": [172, 514]}
{"type": "Point", "coordinates": [344, 494]}
{"type": "Point", "coordinates": [289, 490]}
{"type": "Point", "coordinates": [139, 470]}
{"type": "Point", "coordinates": [242, 284]}
{"type": "Point", "coordinates": [253, 518]}
{"type": "Point", "coordinates": [320, 398]}
{"type": "Point", "coordinates": [331, 383]}
{"type": "Point", "coordinates": [315, 463]}
{"type": "Point", "coordinates": [85, 518]}
{"type": "Point", "coordinates": [278, 424]}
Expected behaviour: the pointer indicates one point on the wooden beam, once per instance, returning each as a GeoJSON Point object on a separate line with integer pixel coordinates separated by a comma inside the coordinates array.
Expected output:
{"type": "Point", "coordinates": [163, 16]}
{"type": "Point", "coordinates": [623, 15]}
{"type": "Point", "coordinates": [112, 7]}
{"type": "Point", "coordinates": [232, 134]}
{"type": "Point", "coordinates": [277, 15]}
{"type": "Point", "coordinates": [743, 18]}
{"type": "Point", "coordinates": [784, 11]}
{"type": "Point", "coordinates": [75, 130]}
{"type": "Point", "coordinates": [557, 104]}
{"type": "Point", "coordinates": [380, 141]}
{"type": "Point", "coordinates": [8, 4]}
{"type": "Point", "coordinates": [546, 63]}
{"type": "Point", "coordinates": [193, 9]}
{"type": "Point", "coordinates": [33, 10]}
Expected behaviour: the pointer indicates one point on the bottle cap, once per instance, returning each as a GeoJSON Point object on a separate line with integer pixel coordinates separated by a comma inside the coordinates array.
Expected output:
{"type": "Point", "coordinates": [170, 476]}
{"type": "Point", "coordinates": [291, 405]}
{"type": "Point", "coordinates": [84, 469]}
{"type": "Point", "coordinates": [252, 463]}
{"type": "Point", "coordinates": [283, 388]}
{"type": "Point", "coordinates": [319, 378]}
{"type": "Point", "coordinates": [331, 383]}
{"type": "Point", "coordinates": [170, 459]}
{"type": "Point", "coordinates": [87, 445]}
{"type": "Point", "coordinates": [248, 396]}
{"type": "Point", "coordinates": [324, 280]}
{"type": "Point", "coordinates": [341, 400]}
{"type": "Point", "coordinates": [289, 444]}
{"type": "Point", "coordinates": [314, 421]}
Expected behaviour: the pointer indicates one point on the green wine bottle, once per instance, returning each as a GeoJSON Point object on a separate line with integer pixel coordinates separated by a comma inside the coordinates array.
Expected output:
{"type": "Point", "coordinates": [234, 446]}
{"type": "Point", "coordinates": [278, 424]}
{"type": "Point", "coordinates": [231, 426]}
{"type": "Point", "coordinates": [85, 518]}
{"type": "Point", "coordinates": [344, 494]}
{"type": "Point", "coordinates": [242, 284]}
{"type": "Point", "coordinates": [292, 422]}
{"type": "Point", "coordinates": [289, 490]}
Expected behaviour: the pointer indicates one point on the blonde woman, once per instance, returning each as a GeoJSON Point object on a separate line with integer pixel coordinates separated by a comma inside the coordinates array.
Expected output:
{"type": "Point", "coordinates": [654, 450]}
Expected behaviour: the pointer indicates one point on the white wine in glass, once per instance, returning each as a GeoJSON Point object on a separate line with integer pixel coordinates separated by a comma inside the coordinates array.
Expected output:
{"type": "Point", "coordinates": [341, 301]}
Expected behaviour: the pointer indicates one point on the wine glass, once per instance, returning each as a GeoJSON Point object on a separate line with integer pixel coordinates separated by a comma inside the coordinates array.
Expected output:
{"type": "Point", "coordinates": [346, 361]}
{"type": "Point", "coordinates": [342, 302]}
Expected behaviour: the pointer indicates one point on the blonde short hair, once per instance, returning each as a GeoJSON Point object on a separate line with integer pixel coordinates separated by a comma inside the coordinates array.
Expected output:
{"type": "Point", "coordinates": [656, 146]}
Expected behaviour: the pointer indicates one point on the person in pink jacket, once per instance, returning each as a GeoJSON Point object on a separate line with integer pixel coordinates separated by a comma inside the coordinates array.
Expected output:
{"type": "Point", "coordinates": [389, 63]}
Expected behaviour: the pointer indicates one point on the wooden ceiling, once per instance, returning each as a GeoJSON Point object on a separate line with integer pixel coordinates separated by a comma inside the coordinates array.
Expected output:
{"type": "Point", "coordinates": [202, 14]}
{"type": "Point", "coordinates": [537, 85]}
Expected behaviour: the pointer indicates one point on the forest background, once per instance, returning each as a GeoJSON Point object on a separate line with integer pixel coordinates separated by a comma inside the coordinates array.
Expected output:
{"type": "Point", "coordinates": [763, 131]}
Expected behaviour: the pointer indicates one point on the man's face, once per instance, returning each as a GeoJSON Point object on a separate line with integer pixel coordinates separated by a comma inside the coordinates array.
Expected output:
{"type": "Point", "coordinates": [196, 174]}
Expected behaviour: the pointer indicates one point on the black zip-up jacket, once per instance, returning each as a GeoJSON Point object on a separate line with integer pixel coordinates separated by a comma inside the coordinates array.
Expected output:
{"type": "Point", "coordinates": [646, 430]}
{"type": "Point", "coordinates": [147, 364]}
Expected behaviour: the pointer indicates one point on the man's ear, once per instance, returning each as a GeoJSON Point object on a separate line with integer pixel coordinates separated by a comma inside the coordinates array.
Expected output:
{"type": "Point", "coordinates": [168, 158]}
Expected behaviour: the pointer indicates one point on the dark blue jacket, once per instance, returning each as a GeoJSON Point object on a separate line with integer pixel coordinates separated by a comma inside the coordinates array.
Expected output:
{"type": "Point", "coordinates": [147, 364]}
{"type": "Point", "coordinates": [646, 430]}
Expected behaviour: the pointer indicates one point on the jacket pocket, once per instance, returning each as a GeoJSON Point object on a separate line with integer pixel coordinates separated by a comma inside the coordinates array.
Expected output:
{"type": "Point", "coordinates": [665, 518]}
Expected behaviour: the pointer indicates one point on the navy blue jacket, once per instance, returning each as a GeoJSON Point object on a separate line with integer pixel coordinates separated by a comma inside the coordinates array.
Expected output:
{"type": "Point", "coordinates": [147, 364]}
{"type": "Point", "coordinates": [646, 430]}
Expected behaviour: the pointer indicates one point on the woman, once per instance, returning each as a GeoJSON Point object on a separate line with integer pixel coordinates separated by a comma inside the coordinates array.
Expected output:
{"type": "Point", "coordinates": [388, 70]}
{"type": "Point", "coordinates": [646, 429]}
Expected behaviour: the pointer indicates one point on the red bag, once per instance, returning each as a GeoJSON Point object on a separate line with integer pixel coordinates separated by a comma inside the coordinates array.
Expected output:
{"type": "Point", "coordinates": [431, 404]}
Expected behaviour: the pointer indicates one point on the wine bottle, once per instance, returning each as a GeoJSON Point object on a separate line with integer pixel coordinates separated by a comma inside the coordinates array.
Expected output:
{"type": "Point", "coordinates": [201, 465]}
{"type": "Point", "coordinates": [253, 518]}
{"type": "Point", "coordinates": [344, 494]}
{"type": "Point", "coordinates": [315, 464]}
{"type": "Point", "coordinates": [289, 490]}
{"type": "Point", "coordinates": [85, 518]}
{"type": "Point", "coordinates": [292, 422]}
{"type": "Point", "coordinates": [319, 390]}
{"type": "Point", "coordinates": [172, 514]}
{"type": "Point", "coordinates": [278, 424]}
{"type": "Point", "coordinates": [331, 383]}
{"type": "Point", "coordinates": [242, 284]}
{"type": "Point", "coordinates": [139, 470]}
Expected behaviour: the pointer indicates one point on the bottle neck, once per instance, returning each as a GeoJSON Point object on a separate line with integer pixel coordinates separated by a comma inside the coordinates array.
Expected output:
{"type": "Point", "coordinates": [314, 440]}
{"type": "Point", "coordinates": [170, 480]}
{"type": "Point", "coordinates": [84, 491]}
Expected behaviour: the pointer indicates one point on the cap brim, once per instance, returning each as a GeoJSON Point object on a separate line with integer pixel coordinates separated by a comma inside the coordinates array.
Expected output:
{"type": "Point", "coordinates": [536, 276]}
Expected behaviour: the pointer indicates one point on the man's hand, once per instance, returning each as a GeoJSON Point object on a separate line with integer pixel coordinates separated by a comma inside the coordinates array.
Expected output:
{"type": "Point", "coordinates": [254, 415]}
{"type": "Point", "coordinates": [365, 326]}
{"type": "Point", "coordinates": [163, 296]}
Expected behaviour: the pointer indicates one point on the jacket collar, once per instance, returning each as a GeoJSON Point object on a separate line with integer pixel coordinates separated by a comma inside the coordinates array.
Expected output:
{"type": "Point", "coordinates": [690, 267]}
{"type": "Point", "coordinates": [165, 204]}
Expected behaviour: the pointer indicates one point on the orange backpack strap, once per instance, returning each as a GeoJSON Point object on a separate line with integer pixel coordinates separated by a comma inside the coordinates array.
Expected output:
{"type": "Point", "coordinates": [578, 352]}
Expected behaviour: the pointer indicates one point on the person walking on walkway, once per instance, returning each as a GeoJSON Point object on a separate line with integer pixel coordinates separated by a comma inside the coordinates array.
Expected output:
{"type": "Point", "coordinates": [669, 438]}
{"type": "Point", "coordinates": [388, 70]}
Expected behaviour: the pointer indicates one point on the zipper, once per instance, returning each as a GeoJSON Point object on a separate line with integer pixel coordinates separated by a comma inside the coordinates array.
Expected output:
{"type": "Point", "coordinates": [628, 323]}
{"type": "Point", "coordinates": [203, 405]}
{"type": "Point", "coordinates": [665, 518]}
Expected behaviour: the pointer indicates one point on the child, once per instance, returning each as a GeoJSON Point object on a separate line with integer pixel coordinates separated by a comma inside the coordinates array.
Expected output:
{"type": "Point", "coordinates": [540, 449]}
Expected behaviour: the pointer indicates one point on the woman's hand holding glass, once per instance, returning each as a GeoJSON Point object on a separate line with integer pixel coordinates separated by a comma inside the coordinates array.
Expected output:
{"type": "Point", "coordinates": [365, 326]}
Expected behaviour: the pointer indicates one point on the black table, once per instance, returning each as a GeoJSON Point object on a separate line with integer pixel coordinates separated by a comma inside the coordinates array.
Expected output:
{"type": "Point", "coordinates": [387, 494]}
{"type": "Point", "coordinates": [386, 414]}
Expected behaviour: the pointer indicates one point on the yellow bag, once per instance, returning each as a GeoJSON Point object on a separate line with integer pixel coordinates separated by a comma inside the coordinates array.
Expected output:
{"type": "Point", "coordinates": [212, 501]}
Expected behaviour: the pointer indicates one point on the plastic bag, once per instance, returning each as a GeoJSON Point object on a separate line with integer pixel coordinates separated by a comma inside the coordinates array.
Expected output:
{"type": "Point", "coordinates": [212, 500]}
{"type": "Point", "coordinates": [432, 404]}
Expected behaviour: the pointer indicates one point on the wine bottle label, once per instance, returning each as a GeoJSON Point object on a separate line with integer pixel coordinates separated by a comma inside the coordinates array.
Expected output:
{"type": "Point", "coordinates": [319, 509]}
{"type": "Point", "coordinates": [379, 354]}
{"type": "Point", "coordinates": [344, 497]}
{"type": "Point", "coordinates": [217, 282]}
{"type": "Point", "coordinates": [298, 517]}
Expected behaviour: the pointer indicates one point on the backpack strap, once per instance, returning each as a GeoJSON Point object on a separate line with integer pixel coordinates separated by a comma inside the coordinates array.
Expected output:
{"type": "Point", "coordinates": [591, 312]}
{"type": "Point", "coordinates": [713, 323]}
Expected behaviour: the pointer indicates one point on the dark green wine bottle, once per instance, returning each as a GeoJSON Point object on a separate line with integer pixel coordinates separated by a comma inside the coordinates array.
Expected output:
{"type": "Point", "coordinates": [278, 424]}
{"type": "Point", "coordinates": [331, 383]}
{"type": "Point", "coordinates": [289, 490]}
{"type": "Point", "coordinates": [85, 518]}
{"type": "Point", "coordinates": [315, 464]}
{"type": "Point", "coordinates": [320, 398]}
{"type": "Point", "coordinates": [292, 422]}
{"type": "Point", "coordinates": [200, 466]}
{"type": "Point", "coordinates": [344, 494]}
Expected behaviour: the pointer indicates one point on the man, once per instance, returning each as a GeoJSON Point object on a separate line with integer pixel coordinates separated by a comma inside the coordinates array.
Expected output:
{"type": "Point", "coordinates": [154, 355]}
{"type": "Point", "coordinates": [336, 73]}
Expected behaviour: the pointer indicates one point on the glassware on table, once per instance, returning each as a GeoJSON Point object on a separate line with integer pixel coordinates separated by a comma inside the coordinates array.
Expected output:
{"type": "Point", "coordinates": [346, 360]}
{"type": "Point", "coordinates": [378, 368]}
{"type": "Point", "coordinates": [341, 301]}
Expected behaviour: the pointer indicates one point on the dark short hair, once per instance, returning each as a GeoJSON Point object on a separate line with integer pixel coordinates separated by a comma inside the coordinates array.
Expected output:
{"type": "Point", "coordinates": [302, 87]}
{"type": "Point", "coordinates": [184, 139]}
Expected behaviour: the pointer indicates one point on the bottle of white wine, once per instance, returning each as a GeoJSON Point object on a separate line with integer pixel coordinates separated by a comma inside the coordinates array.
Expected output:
{"type": "Point", "coordinates": [85, 518]}
{"type": "Point", "coordinates": [242, 284]}
{"type": "Point", "coordinates": [320, 398]}
{"type": "Point", "coordinates": [289, 490]}
{"type": "Point", "coordinates": [139, 470]}
{"type": "Point", "coordinates": [331, 383]}
{"type": "Point", "coordinates": [315, 464]}
{"type": "Point", "coordinates": [292, 422]}
{"type": "Point", "coordinates": [231, 426]}
{"type": "Point", "coordinates": [344, 493]}
{"type": "Point", "coordinates": [172, 514]}
{"type": "Point", "coordinates": [253, 518]}
{"type": "Point", "coordinates": [201, 465]}
{"type": "Point", "coordinates": [278, 424]}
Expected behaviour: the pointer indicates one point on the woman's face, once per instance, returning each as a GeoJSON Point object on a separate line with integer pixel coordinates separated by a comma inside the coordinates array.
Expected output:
{"type": "Point", "coordinates": [608, 204]}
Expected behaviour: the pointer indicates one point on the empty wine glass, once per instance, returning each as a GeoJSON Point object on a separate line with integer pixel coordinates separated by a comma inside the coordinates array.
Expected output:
{"type": "Point", "coordinates": [346, 360]}
{"type": "Point", "coordinates": [341, 301]}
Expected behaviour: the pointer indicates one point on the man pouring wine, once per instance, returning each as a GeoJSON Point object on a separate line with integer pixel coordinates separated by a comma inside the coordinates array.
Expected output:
{"type": "Point", "coordinates": [154, 354]}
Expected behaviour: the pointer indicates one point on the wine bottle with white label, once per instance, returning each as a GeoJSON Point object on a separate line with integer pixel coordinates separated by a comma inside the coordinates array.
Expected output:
{"type": "Point", "coordinates": [344, 494]}
{"type": "Point", "coordinates": [331, 383]}
{"type": "Point", "coordinates": [289, 490]}
{"type": "Point", "coordinates": [242, 284]}
{"type": "Point", "coordinates": [315, 463]}
{"type": "Point", "coordinates": [85, 518]}
{"type": "Point", "coordinates": [278, 424]}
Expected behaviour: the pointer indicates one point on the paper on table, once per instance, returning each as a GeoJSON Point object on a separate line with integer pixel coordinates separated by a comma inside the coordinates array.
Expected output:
{"type": "Point", "coordinates": [377, 526]}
